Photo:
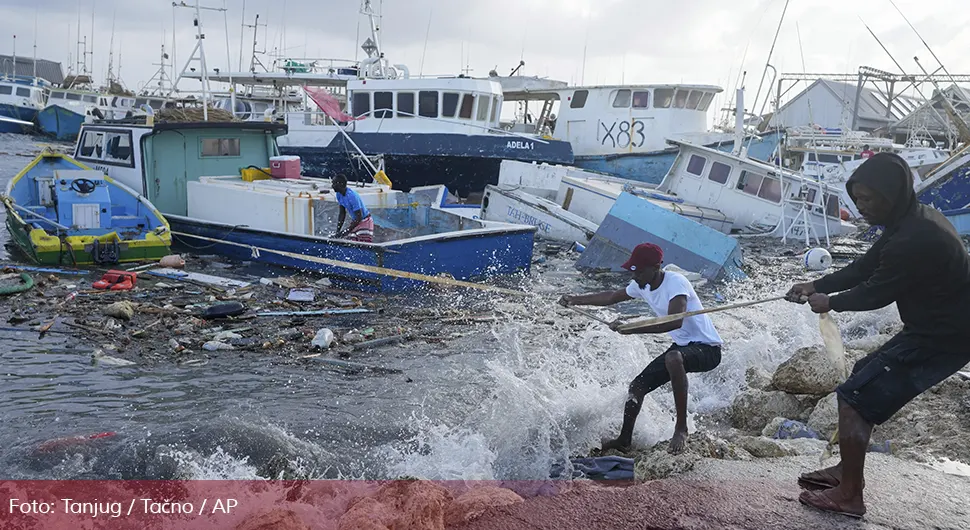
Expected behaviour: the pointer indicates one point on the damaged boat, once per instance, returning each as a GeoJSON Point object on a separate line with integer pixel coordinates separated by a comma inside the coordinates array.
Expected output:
{"type": "Point", "coordinates": [60, 212]}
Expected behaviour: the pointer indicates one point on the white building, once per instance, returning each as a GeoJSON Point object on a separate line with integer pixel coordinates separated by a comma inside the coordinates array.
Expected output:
{"type": "Point", "coordinates": [833, 104]}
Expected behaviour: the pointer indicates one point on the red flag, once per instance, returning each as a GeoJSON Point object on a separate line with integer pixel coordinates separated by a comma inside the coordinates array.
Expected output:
{"type": "Point", "coordinates": [328, 104]}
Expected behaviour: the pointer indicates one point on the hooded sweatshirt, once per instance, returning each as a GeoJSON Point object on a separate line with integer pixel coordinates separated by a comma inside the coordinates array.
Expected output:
{"type": "Point", "coordinates": [919, 262]}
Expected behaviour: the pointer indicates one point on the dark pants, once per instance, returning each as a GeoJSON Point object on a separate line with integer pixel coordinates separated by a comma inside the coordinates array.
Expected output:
{"type": "Point", "coordinates": [697, 357]}
{"type": "Point", "coordinates": [887, 379]}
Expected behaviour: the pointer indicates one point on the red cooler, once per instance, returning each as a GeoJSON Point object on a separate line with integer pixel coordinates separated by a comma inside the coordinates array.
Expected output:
{"type": "Point", "coordinates": [285, 167]}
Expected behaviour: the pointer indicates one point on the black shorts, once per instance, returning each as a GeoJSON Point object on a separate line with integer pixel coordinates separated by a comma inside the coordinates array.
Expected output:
{"type": "Point", "coordinates": [887, 379]}
{"type": "Point", "coordinates": [698, 357]}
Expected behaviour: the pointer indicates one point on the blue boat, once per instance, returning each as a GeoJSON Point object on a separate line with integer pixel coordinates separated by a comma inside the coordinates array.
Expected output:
{"type": "Point", "coordinates": [687, 244]}
{"type": "Point", "coordinates": [66, 110]}
{"type": "Point", "coordinates": [21, 97]}
{"type": "Point", "coordinates": [947, 187]}
{"type": "Point", "coordinates": [199, 176]}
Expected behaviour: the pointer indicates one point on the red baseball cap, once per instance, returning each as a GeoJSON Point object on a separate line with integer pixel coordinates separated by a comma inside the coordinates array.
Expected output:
{"type": "Point", "coordinates": [644, 255]}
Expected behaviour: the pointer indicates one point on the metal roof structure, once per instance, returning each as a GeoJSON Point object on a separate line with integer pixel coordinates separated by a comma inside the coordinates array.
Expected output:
{"type": "Point", "coordinates": [932, 116]}
{"type": "Point", "coordinates": [47, 70]}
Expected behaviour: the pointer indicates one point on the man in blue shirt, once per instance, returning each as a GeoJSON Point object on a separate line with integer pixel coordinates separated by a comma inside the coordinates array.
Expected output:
{"type": "Point", "coordinates": [361, 224]}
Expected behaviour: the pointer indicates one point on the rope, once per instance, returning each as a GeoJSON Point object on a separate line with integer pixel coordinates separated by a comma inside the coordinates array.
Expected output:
{"type": "Point", "coordinates": [360, 267]}
{"type": "Point", "coordinates": [26, 285]}
{"type": "Point", "coordinates": [206, 247]}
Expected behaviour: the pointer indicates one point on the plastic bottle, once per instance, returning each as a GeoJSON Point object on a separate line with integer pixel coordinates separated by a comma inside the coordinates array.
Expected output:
{"type": "Point", "coordinates": [323, 339]}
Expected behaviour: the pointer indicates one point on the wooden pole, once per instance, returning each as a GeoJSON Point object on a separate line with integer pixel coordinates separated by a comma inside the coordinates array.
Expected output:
{"type": "Point", "coordinates": [640, 324]}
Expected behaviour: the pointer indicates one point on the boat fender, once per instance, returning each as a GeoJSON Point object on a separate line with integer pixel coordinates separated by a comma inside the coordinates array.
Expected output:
{"type": "Point", "coordinates": [818, 259]}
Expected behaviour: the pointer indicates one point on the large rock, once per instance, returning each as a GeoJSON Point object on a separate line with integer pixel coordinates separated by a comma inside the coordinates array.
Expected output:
{"type": "Point", "coordinates": [473, 503]}
{"type": "Point", "coordinates": [809, 371]}
{"type": "Point", "coordinates": [762, 447]}
{"type": "Point", "coordinates": [412, 504]}
{"type": "Point", "coordinates": [753, 409]}
{"type": "Point", "coordinates": [757, 378]}
{"type": "Point", "coordinates": [276, 519]}
{"type": "Point", "coordinates": [657, 463]}
{"type": "Point", "coordinates": [825, 417]}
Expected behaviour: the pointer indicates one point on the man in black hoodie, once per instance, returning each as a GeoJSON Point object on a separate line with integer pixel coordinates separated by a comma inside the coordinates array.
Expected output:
{"type": "Point", "coordinates": [919, 263]}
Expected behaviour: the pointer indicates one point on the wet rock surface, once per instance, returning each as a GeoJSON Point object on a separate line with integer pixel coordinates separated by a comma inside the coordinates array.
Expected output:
{"type": "Point", "coordinates": [809, 371]}
{"type": "Point", "coordinates": [753, 409]}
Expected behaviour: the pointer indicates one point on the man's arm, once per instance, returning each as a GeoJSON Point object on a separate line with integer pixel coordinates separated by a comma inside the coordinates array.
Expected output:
{"type": "Point", "coordinates": [601, 299]}
{"type": "Point", "coordinates": [341, 219]}
{"type": "Point", "coordinates": [357, 217]}
{"type": "Point", "coordinates": [677, 305]}
{"type": "Point", "coordinates": [897, 266]}
{"type": "Point", "coordinates": [852, 274]}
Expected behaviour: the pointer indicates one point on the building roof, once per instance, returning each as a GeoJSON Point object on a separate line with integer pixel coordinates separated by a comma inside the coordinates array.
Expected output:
{"type": "Point", "coordinates": [872, 103]}
{"type": "Point", "coordinates": [48, 70]}
{"type": "Point", "coordinates": [932, 115]}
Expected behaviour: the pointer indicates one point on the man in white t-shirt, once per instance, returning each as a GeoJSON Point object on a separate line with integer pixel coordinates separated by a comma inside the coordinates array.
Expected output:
{"type": "Point", "coordinates": [696, 347]}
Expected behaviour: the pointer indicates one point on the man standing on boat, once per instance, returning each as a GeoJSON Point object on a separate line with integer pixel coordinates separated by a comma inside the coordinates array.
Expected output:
{"type": "Point", "coordinates": [919, 263]}
{"type": "Point", "coordinates": [696, 346]}
{"type": "Point", "coordinates": [866, 152]}
{"type": "Point", "coordinates": [361, 224]}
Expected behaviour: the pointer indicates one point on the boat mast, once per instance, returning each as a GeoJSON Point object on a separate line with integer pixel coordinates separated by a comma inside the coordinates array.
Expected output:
{"type": "Point", "coordinates": [198, 53]}
{"type": "Point", "coordinates": [372, 46]}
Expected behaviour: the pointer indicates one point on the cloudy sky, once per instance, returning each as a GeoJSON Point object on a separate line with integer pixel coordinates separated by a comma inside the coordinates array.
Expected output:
{"type": "Point", "coordinates": [624, 41]}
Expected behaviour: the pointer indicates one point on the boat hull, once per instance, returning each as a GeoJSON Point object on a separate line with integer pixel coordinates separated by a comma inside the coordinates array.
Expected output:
{"type": "Point", "coordinates": [464, 163]}
{"type": "Point", "coordinates": [61, 123]}
{"type": "Point", "coordinates": [42, 249]}
{"type": "Point", "coordinates": [468, 257]}
{"type": "Point", "coordinates": [17, 113]}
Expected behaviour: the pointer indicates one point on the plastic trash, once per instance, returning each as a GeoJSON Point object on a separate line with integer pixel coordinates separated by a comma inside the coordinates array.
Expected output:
{"type": "Point", "coordinates": [173, 261]}
{"type": "Point", "coordinates": [578, 247]}
{"type": "Point", "coordinates": [214, 345]}
{"type": "Point", "coordinates": [323, 339]}
{"type": "Point", "coordinates": [228, 309]}
{"type": "Point", "coordinates": [791, 429]}
{"type": "Point", "coordinates": [303, 294]}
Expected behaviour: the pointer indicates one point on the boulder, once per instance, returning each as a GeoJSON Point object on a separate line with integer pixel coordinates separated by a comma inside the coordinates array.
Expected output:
{"type": "Point", "coordinates": [757, 378]}
{"type": "Point", "coordinates": [276, 519]}
{"type": "Point", "coordinates": [656, 463]}
{"type": "Point", "coordinates": [762, 447]}
{"type": "Point", "coordinates": [825, 417]}
{"type": "Point", "coordinates": [809, 371]}
{"type": "Point", "coordinates": [473, 503]}
{"type": "Point", "coordinates": [412, 504]}
{"type": "Point", "coordinates": [753, 409]}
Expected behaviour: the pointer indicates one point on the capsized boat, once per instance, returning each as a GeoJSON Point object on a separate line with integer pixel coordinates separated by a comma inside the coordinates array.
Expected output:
{"type": "Point", "coordinates": [60, 212]}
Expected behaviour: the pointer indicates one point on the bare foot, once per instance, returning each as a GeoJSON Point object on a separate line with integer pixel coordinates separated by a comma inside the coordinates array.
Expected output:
{"type": "Point", "coordinates": [678, 443]}
{"type": "Point", "coordinates": [834, 500]}
{"type": "Point", "coordinates": [618, 445]}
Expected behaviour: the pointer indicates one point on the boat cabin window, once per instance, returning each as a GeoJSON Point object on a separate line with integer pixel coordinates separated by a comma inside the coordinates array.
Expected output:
{"type": "Point", "coordinates": [694, 99]}
{"type": "Point", "coordinates": [695, 166]}
{"type": "Point", "coordinates": [832, 207]}
{"type": "Point", "coordinates": [361, 103]}
{"type": "Point", "coordinates": [622, 99]}
{"type": "Point", "coordinates": [405, 104]}
{"type": "Point", "coordinates": [428, 103]}
{"type": "Point", "coordinates": [770, 190]}
{"type": "Point", "coordinates": [91, 145]}
{"type": "Point", "coordinates": [72, 97]}
{"type": "Point", "coordinates": [663, 98]}
{"type": "Point", "coordinates": [706, 101]}
{"type": "Point", "coordinates": [90, 99]}
{"type": "Point", "coordinates": [641, 99]}
{"type": "Point", "coordinates": [680, 99]}
{"type": "Point", "coordinates": [383, 104]}
{"type": "Point", "coordinates": [578, 100]}
{"type": "Point", "coordinates": [496, 105]}
{"type": "Point", "coordinates": [467, 104]}
{"type": "Point", "coordinates": [482, 114]}
{"type": "Point", "coordinates": [449, 104]}
{"type": "Point", "coordinates": [719, 172]}
{"type": "Point", "coordinates": [6, 90]}
{"type": "Point", "coordinates": [767, 188]}
{"type": "Point", "coordinates": [827, 158]}
{"type": "Point", "coordinates": [117, 148]}
{"type": "Point", "coordinates": [221, 146]}
{"type": "Point", "coordinates": [139, 102]}
{"type": "Point", "coordinates": [56, 95]}
{"type": "Point", "coordinates": [23, 92]}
